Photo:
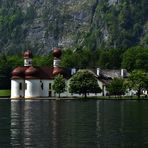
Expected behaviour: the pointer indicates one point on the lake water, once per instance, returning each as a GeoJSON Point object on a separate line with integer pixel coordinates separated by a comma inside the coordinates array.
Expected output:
{"type": "Point", "coordinates": [74, 124]}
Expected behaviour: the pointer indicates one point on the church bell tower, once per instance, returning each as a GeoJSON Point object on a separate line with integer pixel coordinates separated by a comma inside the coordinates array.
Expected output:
{"type": "Point", "coordinates": [28, 58]}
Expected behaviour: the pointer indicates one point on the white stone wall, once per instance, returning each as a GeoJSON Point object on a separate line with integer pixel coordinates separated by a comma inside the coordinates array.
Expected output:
{"type": "Point", "coordinates": [37, 88]}
{"type": "Point", "coordinates": [16, 92]}
{"type": "Point", "coordinates": [33, 88]}
{"type": "Point", "coordinates": [28, 62]}
{"type": "Point", "coordinates": [45, 91]}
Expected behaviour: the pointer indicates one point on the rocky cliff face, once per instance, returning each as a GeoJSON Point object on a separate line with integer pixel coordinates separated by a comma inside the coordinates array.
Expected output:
{"type": "Point", "coordinates": [55, 22]}
{"type": "Point", "coordinates": [43, 24]}
{"type": "Point", "coordinates": [61, 21]}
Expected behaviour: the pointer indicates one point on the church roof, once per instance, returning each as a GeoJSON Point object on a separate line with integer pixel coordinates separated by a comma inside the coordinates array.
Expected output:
{"type": "Point", "coordinates": [19, 72]}
{"type": "Point", "coordinates": [28, 54]}
{"type": "Point", "coordinates": [46, 72]}
{"type": "Point", "coordinates": [33, 72]}
{"type": "Point", "coordinates": [57, 52]}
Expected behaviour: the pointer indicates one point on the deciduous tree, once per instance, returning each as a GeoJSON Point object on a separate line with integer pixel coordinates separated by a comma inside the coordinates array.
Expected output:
{"type": "Point", "coordinates": [116, 87]}
{"type": "Point", "coordinates": [138, 80]}
{"type": "Point", "coordinates": [84, 82]}
{"type": "Point", "coordinates": [59, 84]}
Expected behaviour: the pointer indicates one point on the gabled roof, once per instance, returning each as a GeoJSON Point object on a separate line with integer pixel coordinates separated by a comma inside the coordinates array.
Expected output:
{"type": "Point", "coordinates": [111, 73]}
{"type": "Point", "coordinates": [106, 75]}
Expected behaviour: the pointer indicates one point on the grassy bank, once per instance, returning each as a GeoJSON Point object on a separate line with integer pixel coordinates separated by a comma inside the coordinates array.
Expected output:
{"type": "Point", "coordinates": [5, 93]}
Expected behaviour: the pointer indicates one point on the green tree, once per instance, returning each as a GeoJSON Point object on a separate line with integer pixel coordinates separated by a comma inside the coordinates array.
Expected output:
{"type": "Point", "coordinates": [138, 80]}
{"type": "Point", "coordinates": [116, 87]}
{"type": "Point", "coordinates": [68, 59]}
{"type": "Point", "coordinates": [59, 84]}
{"type": "Point", "coordinates": [46, 60]}
{"type": "Point", "coordinates": [104, 59]}
{"type": "Point", "coordinates": [135, 58]}
{"type": "Point", "coordinates": [7, 64]}
{"type": "Point", "coordinates": [84, 82]}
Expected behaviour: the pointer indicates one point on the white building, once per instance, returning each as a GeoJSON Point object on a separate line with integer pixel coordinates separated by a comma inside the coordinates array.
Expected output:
{"type": "Point", "coordinates": [29, 81]}
{"type": "Point", "coordinates": [35, 82]}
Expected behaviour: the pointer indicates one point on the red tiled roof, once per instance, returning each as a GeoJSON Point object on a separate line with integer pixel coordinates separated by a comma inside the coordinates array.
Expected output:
{"type": "Point", "coordinates": [19, 72]}
{"type": "Point", "coordinates": [28, 54]}
{"type": "Point", "coordinates": [46, 72]}
{"type": "Point", "coordinates": [57, 70]}
{"type": "Point", "coordinates": [32, 72]}
{"type": "Point", "coordinates": [39, 72]}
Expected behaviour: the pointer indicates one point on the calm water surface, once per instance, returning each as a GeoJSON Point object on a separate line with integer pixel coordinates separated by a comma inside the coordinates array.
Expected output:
{"type": "Point", "coordinates": [73, 124]}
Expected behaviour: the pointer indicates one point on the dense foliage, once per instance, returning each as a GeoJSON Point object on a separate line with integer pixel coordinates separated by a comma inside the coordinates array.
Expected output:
{"type": "Point", "coordinates": [7, 63]}
{"type": "Point", "coordinates": [135, 58]}
{"type": "Point", "coordinates": [84, 82]}
{"type": "Point", "coordinates": [130, 59]}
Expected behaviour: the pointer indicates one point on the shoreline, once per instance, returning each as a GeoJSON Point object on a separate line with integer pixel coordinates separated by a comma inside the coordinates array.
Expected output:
{"type": "Point", "coordinates": [78, 98]}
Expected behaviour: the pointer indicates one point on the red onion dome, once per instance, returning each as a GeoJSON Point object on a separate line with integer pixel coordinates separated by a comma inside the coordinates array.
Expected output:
{"type": "Point", "coordinates": [57, 52]}
{"type": "Point", "coordinates": [32, 72]}
{"type": "Point", "coordinates": [28, 54]}
{"type": "Point", "coordinates": [18, 72]}
{"type": "Point", "coordinates": [57, 71]}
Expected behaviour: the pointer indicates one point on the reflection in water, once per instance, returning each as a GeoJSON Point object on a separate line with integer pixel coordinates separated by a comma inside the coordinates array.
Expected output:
{"type": "Point", "coordinates": [73, 124]}
{"type": "Point", "coordinates": [30, 123]}
{"type": "Point", "coordinates": [122, 124]}
{"type": "Point", "coordinates": [53, 124]}
{"type": "Point", "coordinates": [70, 125]}
{"type": "Point", "coordinates": [4, 124]}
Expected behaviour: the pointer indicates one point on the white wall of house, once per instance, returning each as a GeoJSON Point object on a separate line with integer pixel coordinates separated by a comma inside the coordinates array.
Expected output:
{"type": "Point", "coordinates": [47, 87]}
{"type": "Point", "coordinates": [130, 92]}
{"type": "Point", "coordinates": [33, 88]}
{"type": "Point", "coordinates": [145, 92]}
{"type": "Point", "coordinates": [103, 88]}
{"type": "Point", "coordinates": [17, 88]}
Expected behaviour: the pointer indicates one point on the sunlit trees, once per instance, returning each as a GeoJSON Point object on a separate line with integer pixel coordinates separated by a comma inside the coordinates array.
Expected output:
{"type": "Point", "coordinates": [84, 82]}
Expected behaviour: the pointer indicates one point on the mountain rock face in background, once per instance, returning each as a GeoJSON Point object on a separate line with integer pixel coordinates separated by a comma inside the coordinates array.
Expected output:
{"type": "Point", "coordinates": [43, 24]}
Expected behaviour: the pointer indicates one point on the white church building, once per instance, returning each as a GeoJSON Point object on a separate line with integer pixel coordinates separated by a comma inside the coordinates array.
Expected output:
{"type": "Point", "coordinates": [30, 81]}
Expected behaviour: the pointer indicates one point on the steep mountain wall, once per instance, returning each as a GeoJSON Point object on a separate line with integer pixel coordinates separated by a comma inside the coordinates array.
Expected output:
{"type": "Point", "coordinates": [52, 22]}
{"type": "Point", "coordinates": [43, 24]}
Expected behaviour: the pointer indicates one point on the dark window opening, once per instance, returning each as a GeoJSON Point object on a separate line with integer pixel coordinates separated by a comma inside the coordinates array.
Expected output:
{"type": "Point", "coordinates": [20, 86]}
{"type": "Point", "coordinates": [42, 86]}
{"type": "Point", "coordinates": [25, 85]}
{"type": "Point", "coordinates": [50, 94]}
{"type": "Point", "coordinates": [49, 86]}
{"type": "Point", "coordinates": [30, 62]}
